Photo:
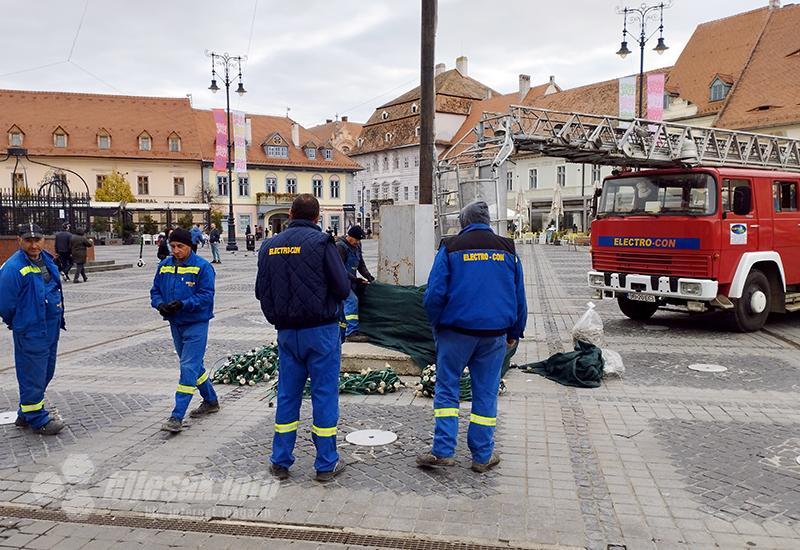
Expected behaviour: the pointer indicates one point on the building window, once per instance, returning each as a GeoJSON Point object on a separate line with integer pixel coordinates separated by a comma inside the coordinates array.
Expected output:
{"type": "Point", "coordinates": [278, 151]}
{"type": "Point", "coordinates": [384, 115]}
{"type": "Point", "coordinates": [416, 192]}
{"type": "Point", "coordinates": [59, 139]}
{"type": "Point", "coordinates": [222, 186]}
{"type": "Point", "coordinates": [311, 153]}
{"type": "Point", "coordinates": [385, 190]}
{"type": "Point", "coordinates": [345, 150]}
{"type": "Point", "coordinates": [145, 143]}
{"type": "Point", "coordinates": [327, 154]}
{"type": "Point", "coordinates": [174, 144]}
{"type": "Point", "coordinates": [375, 163]}
{"type": "Point", "coordinates": [405, 193]}
{"type": "Point", "coordinates": [271, 184]}
{"type": "Point", "coordinates": [396, 162]}
{"type": "Point", "coordinates": [291, 184]}
{"type": "Point", "coordinates": [179, 186]}
{"type": "Point", "coordinates": [596, 173]}
{"type": "Point", "coordinates": [561, 175]}
{"type": "Point", "coordinates": [533, 178]}
{"type": "Point", "coordinates": [244, 186]}
{"type": "Point", "coordinates": [143, 185]}
{"type": "Point", "coordinates": [414, 108]}
{"type": "Point", "coordinates": [396, 192]}
{"type": "Point", "coordinates": [15, 139]}
{"type": "Point", "coordinates": [358, 200]}
{"type": "Point", "coordinates": [785, 196]}
{"type": "Point", "coordinates": [385, 163]}
{"type": "Point", "coordinates": [103, 141]}
{"type": "Point", "coordinates": [388, 136]}
{"type": "Point", "coordinates": [719, 90]}
{"type": "Point", "coordinates": [360, 141]}
{"type": "Point", "coordinates": [100, 179]}
{"type": "Point", "coordinates": [334, 187]}
{"type": "Point", "coordinates": [335, 224]}
{"type": "Point", "coordinates": [509, 181]}
{"type": "Point", "coordinates": [416, 161]}
{"type": "Point", "coordinates": [416, 131]}
{"type": "Point", "coordinates": [405, 162]}
{"type": "Point", "coordinates": [316, 186]}
{"type": "Point", "coordinates": [366, 195]}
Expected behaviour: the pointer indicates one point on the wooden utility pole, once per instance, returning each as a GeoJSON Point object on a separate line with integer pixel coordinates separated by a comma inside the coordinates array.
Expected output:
{"type": "Point", "coordinates": [427, 100]}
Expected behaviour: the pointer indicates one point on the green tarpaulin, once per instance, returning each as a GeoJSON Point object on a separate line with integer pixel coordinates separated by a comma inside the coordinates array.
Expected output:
{"type": "Point", "coordinates": [582, 368]}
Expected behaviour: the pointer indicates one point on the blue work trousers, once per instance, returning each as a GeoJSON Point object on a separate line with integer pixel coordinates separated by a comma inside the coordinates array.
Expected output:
{"type": "Point", "coordinates": [190, 343]}
{"type": "Point", "coordinates": [350, 307]}
{"type": "Point", "coordinates": [314, 352]}
{"type": "Point", "coordinates": [35, 359]}
{"type": "Point", "coordinates": [484, 356]}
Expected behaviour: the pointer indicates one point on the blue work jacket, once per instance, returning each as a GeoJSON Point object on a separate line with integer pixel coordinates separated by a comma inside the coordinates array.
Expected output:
{"type": "Point", "coordinates": [25, 300]}
{"type": "Point", "coordinates": [191, 282]}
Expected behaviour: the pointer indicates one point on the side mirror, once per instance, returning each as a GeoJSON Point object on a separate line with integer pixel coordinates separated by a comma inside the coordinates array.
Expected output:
{"type": "Point", "coordinates": [742, 201]}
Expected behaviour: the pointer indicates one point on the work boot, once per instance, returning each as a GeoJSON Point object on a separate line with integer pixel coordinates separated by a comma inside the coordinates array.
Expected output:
{"type": "Point", "coordinates": [279, 472]}
{"type": "Point", "coordinates": [20, 422]}
{"type": "Point", "coordinates": [430, 460]}
{"type": "Point", "coordinates": [327, 476]}
{"type": "Point", "coordinates": [174, 425]}
{"type": "Point", "coordinates": [51, 428]}
{"type": "Point", "coordinates": [483, 468]}
{"type": "Point", "coordinates": [357, 337]}
{"type": "Point", "coordinates": [206, 407]}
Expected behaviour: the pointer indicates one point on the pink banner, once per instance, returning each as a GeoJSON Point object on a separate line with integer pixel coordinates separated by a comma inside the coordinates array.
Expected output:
{"type": "Point", "coordinates": [221, 149]}
{"type": "Point", "coordinates": [239, 142]}
{"type": "Point", "coordinates": [655, 96]}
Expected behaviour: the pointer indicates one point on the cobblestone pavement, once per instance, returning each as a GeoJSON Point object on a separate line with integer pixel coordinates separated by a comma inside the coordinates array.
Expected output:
{"type": "Point", "coordinates": [664, 457]}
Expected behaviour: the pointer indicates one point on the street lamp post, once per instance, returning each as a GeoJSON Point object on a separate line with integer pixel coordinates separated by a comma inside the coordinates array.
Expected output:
{"type": "Point", "coordinates": [643, 14]}
{"type": "Point", "coordinates": [227, 62]}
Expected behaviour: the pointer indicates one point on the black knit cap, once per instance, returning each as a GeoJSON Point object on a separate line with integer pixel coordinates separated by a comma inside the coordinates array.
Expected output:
{"type": "Point", "coordinates": [179, 234]}
{"type": "Point", "coordinates": [356, 232]}
{"type": "Point", "coordinates": [29, 231]}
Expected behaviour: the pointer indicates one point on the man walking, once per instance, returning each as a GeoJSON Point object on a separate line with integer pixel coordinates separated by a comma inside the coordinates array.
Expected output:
{"type": "Point", "coordinates": [475, 302]}
{"type": "Point", "coordinates": [63, 251]}
{"type": "Point", "coordinates": [213, 239]}
{"type": "Point", "coordinates": [32, 305]}
{"type": "Point", "coordinates": [79, 246]}
{"type": "Point", "coordinates": [349, 247]}
{"type": "Point", "coordinates": [197, 236]}
{"type": "Point", "coordinates": [183, 293]}
{"type": "Point", "coordinates": [301, 282]}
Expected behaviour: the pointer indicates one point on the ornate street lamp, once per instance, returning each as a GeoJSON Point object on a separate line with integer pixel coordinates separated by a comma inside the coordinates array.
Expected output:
{"type": "Point", "coordinates": [228, 63]}
{"type": "Point", "coordinates": [643, 15]}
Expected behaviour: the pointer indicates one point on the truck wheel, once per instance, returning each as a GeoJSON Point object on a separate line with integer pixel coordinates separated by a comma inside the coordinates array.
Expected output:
{"type": "Point", "coordinates": [638, 311]}
{"type": "Point", "coordinates": [750, 312]}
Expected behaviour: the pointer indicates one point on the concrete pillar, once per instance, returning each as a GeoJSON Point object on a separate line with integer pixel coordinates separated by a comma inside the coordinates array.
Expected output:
{"type": "Point", "coordinates": [406, 247]}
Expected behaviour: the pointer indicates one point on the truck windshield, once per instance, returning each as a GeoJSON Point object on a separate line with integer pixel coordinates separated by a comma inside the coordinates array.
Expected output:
{"type": "Point", "coordinates": [690, 194]}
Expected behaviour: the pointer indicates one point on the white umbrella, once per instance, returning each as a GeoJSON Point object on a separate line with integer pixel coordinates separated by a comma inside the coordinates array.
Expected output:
{"type": "Point", "coordinates": [556, 207]}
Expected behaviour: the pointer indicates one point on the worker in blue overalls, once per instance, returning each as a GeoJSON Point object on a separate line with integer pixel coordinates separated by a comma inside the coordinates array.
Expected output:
{"type": "Point", "coordinates": [32, 305]}
{"type": "Point", "coordinates": [301, 283]}
{"type": "Point", "coordinates": [475, 302]}
{"type": "Point", "coordinates": [183, 293]}
{"type": "Point", "coordinates": [349, 247]}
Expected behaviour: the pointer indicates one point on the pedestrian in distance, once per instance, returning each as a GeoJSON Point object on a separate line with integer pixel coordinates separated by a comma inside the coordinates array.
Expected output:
{"type": "Point", "coordinates": [162, 250]}
{"type": "Point", "coordinates": [213, 240]}
{"type": "Point", "coordinates": [301, 283]}
{"type": "Point", "coordinates": [349, 247]}
{"type": "Point", "coordinates": [475, 302]}
{"type": "Point", "coordinates": [248, 231]}
{"type": "Point", "coordinates": [63, 251]}
{"type": "Point", "coordinates": [32, 306]}
{"type": "Point", "coordinates": [183, 293]}
{"type": "Point", "coordinates": [79, 245]}
{"type": "Point", "coordinates": [197, 236]}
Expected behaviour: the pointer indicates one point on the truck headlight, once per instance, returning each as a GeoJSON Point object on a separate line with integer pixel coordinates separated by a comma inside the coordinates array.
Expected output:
{"type": "Point", "coordinates": [692, 289]}
{"type": "Point", "coordinates": [596, 280]}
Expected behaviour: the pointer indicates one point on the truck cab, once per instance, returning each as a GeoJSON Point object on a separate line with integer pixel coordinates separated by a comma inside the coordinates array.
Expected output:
{"type": "Point", "coordinates": [699, 239]}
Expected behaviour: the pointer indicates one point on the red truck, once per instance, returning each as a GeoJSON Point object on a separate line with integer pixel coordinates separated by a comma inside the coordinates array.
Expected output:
{"type": "Point", "coordinates": [699, 239]}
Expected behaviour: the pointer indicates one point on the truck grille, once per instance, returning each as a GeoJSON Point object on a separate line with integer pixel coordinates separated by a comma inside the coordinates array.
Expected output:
{"type": "Point", "coordinates": [680, 265]}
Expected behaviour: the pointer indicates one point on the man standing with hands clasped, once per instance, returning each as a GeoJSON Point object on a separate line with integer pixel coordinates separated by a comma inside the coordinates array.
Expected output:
{"type": "Point", "coordinates": [475, 302]}
{"type": "Point", "coordinates": [301, 283]}
{"type": "Point", "coordinates": [183, 293]}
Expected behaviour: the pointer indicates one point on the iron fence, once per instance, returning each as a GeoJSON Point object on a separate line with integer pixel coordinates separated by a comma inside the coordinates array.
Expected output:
{"type": "Point", "coordinates": [49, 211]}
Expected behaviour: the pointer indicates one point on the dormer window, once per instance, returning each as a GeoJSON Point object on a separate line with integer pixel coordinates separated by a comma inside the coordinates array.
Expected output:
{"type": "Point", "coordinates": [388, 136]}
{"type": "Point", "coordinates": [59, 138]}
{"type": "Point", "coordinates": [384, 115]}
{"type": "Point", "coordinates": [360, 142]}
{"type": "Point", "coordinates": [414, 108]}
{"type": "Point", "coordinates": [103, 140]}
{"type": "Point", "coordinates": [327, 154]}
{"type": "Point", "coordinates": [416, 131]}
{"type": "Point", "coordinates": [719, 89]}
{"type": "Point", "coordinates": [311, 153]}
{"type": "Point", "coordinates": [174, 142]}
{"type": "Point", "coordinates": [15, 137]}
{"type": "Point", "coordinates": [145, 142]}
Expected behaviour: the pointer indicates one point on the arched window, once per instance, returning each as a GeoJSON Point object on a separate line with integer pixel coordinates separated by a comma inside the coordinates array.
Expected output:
{"type": "Point", "coordinates": [291, 183]}
{"type": "Point", "coordinates": [384, 115]}
{"type": "Point", "coordinates": [316, 186]}
{"type": "Point", "coordinates": [174, 142]}
{"type": "Point", "coordinates": [145, 142]}
{"type": "Point", "coordinates": [414, 108]}
{"type": "Point", "coordinates": [271, 183]}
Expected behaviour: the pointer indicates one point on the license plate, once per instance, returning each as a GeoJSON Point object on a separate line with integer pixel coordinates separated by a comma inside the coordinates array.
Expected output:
{"type": "Point", "coordinates": [642, 298]}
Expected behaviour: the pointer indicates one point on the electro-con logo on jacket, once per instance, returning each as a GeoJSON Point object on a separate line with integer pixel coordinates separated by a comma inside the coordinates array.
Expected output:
{"type": "Point", "coordinates": [484, 257]}
{"type": "Point", "coordinates": [651, 242]}
{"type": "Point", "coordinates": [284, 250]}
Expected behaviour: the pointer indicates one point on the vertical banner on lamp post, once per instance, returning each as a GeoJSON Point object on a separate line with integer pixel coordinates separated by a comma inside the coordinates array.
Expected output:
{"type": "Point", "coordinates": [221, 147]}
{"type": "Point", "coordinates": [627, 99]}
{"type": "Point", "coordinates": [239, 142]}
{"type": "Point", "coordinates": [655, 97]}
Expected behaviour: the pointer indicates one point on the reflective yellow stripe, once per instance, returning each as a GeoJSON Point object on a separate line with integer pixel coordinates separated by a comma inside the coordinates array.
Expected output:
{"type": "Point", "coordinates": [323, 432]}
{"type": "Point", "coordinates": [438, 413]}
{"type": "Point", "coordinates": [203, 378]}
{"type": "Point", "coordinates": [189, 269]}
{"type": "Point", "coordinates": [29, 269]}
{"type": "Point", "coordinates": [351, 317]}
{"type": "Point", "coordinates": [286, 428]}
{"type": "Point", "coordinates": [167, 269]}
{"type": "Point", "coordinates": [185, 389]}
{"type": "Point", "coordinates": [30, 408]}
{"type": "Point", "coordinates": [342, 325]}
{"type": "Point", "coordinates": [483, 420]}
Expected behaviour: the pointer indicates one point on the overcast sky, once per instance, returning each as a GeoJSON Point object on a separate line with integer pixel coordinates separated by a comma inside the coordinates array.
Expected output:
{"type": "Point", "coordinates": [321, 57]}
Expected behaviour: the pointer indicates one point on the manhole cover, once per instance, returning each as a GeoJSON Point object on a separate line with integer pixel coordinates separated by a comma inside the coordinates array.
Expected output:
{"type": "Point", "coordinates": [371, 438]}
{"type": "Point", "coordinates": [658, 328]}
{"type": "Point", "coordinates": [701, 367]}
{"type": "Point", "coordinates": [7, 417]}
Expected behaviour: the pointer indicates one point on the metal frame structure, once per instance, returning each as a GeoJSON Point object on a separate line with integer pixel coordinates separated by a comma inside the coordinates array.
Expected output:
{"type": "Point", "coordinates": [470, 169]}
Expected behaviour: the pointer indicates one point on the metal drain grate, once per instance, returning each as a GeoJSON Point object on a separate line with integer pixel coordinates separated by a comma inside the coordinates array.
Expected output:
{"type": "Point", "coordinates": [298, 533]}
